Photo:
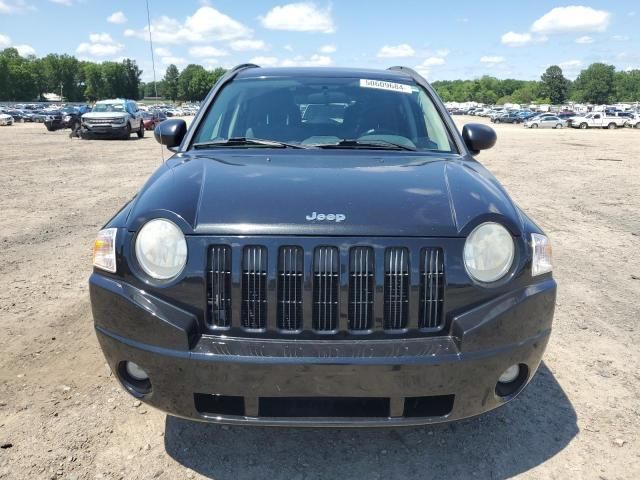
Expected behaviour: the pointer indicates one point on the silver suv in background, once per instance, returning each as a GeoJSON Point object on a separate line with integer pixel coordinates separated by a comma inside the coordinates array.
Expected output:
{"type": "Point", "coordinates": [113, 118]}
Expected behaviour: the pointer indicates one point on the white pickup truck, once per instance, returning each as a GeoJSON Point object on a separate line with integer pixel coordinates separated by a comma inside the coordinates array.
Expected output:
{"type": "Point", "coordinates": [597, 120]}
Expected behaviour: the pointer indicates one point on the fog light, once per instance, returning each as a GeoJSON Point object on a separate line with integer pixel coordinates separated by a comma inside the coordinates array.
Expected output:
{"type": "Point", "coordinates": [137, 373]}
{"type": "Point", "coordinates": [508, 376]}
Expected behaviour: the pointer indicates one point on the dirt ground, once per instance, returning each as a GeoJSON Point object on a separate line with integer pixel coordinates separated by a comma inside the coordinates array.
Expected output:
{"type": "Point", "coordinates": [63, 415]}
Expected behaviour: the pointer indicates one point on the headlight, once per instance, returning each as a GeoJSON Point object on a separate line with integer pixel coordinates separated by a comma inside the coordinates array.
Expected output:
{"type": "Point", "coordinates": [161, 249]}
{"type": "Point", "coordinates": [104, 250]}
{"type": "Point", "coordinates": [541, 258]}
{"type": "Point", "coordinates": [488, 252]}
{"type": "Point", "coordinates": [67, 118]}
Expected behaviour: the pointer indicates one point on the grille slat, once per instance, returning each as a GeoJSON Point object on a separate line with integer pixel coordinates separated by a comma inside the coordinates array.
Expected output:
{"type": "Point", "coordinates": [290, 276]}
{"type": "Point", "coordinates": [432, 288]}
{"type": "Point", "coordinates": [219, 291]}
{"type": "Point", "coordinates": [361, 287]}
{"type": "Point", "coordinates": [326, 279]}
{"type": "Point", "coordinates": [254, 277]}
{"type": "Point", "coordinates": [396, 288]}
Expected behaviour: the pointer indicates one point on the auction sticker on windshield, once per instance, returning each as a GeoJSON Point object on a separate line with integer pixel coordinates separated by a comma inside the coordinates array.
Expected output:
{"type": "Point", "coordinates": [381, 85]}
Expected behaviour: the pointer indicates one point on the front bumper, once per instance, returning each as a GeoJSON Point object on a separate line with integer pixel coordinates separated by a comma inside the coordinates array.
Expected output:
{"type": "Point", "coordinates": [115, 130]}
{"type": "Point", "coordinates": [377, 382]}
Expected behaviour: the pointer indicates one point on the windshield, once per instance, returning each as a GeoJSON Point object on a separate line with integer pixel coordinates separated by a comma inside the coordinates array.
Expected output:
{"type": "Point", "coordinates": [325, 111]}
{"type": "Point", "coordinates": [108, 107]}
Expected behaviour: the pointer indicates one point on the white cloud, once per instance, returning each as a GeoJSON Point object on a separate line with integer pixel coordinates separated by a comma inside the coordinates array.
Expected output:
{"type": "Point", "coordinates": [493, 60]}
{"type": "Point", "coordinates": [100, 38]}
{"type": "Point", "coordinates": [247, 45]}
{"type": "Point", "coordinates": [265, 61]}
{"type": "Point", "coordinates": [431, 61]}
{"type": "Point", "coordinates": [575, 18]}
{"type": "Point", "coordinates": [327, 49]}
{"type": "Point", "coordinates": [117, 18]}
{"type": "Point", "coordinates": [315, 60]}
{"type": "Point", "coordinates": [570, 65]}
{"type": "Point", "coordinates": [25, 50]}
{"type": "Point", "coordinates": [177, 61]}
{"type": "Point", "coordinates": [207, 51]}
{"type": "Point", "coordinates": [396, 51]}
{"type": "Point", "coordinates": [14, 6]}
{"type": "Point", "coordinates": [584, 39]}
{"type": "Point", "coordinates": [299, 17]}
{"type": "Point", "coordinates": [513, 39]}
{"type": "Point", "coordinates": [205, 25]}
{"type": "Point", "coordinates": [4, 41]}
{"type": "Point", "coordinates": [424, 68]}
{"type": "Point", "coordinates": [99, 45]}
{"type": "Point", "coordinates": [288, 48]}
{"type": "Point", "coordinates": [163, 52]}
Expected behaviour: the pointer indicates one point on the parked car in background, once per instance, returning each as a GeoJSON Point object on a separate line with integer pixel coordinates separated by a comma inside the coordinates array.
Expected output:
{"type": "Point", "coordinates": [511, 117]}
{"type": "Point", "coordinates": [68, 117]}
{"type": "Point", "coordinates": [18, 115]}
{"type": "Point", "coordinates": [151, 119]}
{"type": "Point", "coordinates": [113, 118]}
{"type": "Point", "coordinates": [598, 120]}
{"type": "Point", "coordinates": [633, 121]}
{"type": "Point", "coordinates": [548, 121]}
{"type": "Point", "coordinates": [6, 119]}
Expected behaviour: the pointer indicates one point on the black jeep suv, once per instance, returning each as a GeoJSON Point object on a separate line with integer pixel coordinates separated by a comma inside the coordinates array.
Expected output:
{"type": "Point", "coordinates": [323, 249]}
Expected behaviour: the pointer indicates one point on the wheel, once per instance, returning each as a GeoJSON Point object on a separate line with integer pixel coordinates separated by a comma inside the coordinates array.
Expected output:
{"type": "Point", "coordinates": [612, 126]}
{"type": "Point", "coordinates": [534, 125]}
{"type": "Point", "coordinates": [497, 120]}
{"type": "Point", "coordinates": [558, 126]}
{"type": "Point", "coordinates": [637, 125]}
{"type": "Point", "coordinates": [141, 130]}
{"type": "Point", "coordinates": [584, 126]}
{"type": "Point", "coordinates": [127, 132]}
{"type": "Point", "coordinates": [49, 128]}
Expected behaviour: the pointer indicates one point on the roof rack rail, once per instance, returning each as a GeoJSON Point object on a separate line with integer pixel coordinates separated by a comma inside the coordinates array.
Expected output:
{"type": "Point", "coordinates": [243, 66]}
{"type": "Point", "coordinates": [408, 71]}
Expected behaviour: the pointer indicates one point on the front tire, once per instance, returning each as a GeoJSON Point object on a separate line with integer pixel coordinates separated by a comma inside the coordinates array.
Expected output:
{"type": "Point", "coordinates": [127, 132]}
{"type": "Point", "coordinates": [558, 125]}
{"type": "Point", "coordinates": [612, 126]}
{"type": "Point", "coordinates": [584, 126]}
{"type": "Point", "coordinates": [535, 125]}
{"type": "Point", "coordinates": [141, 130]}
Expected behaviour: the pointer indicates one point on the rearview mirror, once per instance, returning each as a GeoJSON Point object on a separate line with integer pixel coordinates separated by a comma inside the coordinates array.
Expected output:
{"type": "Point", "coordinates": [170, 132]}
{"type": "Point", "coordinates": [478, 137]}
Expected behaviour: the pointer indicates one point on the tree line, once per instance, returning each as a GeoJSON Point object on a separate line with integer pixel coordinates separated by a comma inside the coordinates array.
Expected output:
{"type": "Point", "coordinates": [29, 78]}
{"type": "Point", "coordinates": [597, 84]}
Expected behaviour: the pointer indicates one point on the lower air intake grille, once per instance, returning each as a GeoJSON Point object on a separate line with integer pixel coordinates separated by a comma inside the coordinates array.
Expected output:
{"type": "Point", "coordinates": [431, 288]}
{"type": "Point", "coordinates": [361, 286]}
{"type": "Point", "coordinates": [326, 282]}
{"type": "Point", "coordinates": [396, 288]}
{"type": "Point", "coordinates": [219, 292]}
{"type": "Point", "coordinates": [290, 273]}
{"type": "Point", "coordinates": [254, 291]}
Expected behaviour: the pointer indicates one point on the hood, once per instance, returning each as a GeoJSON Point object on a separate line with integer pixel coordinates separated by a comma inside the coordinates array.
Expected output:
{"type": "Point", "coordinates": [104, 114]}
{"type": "Point", "coordinates": [327, 193]}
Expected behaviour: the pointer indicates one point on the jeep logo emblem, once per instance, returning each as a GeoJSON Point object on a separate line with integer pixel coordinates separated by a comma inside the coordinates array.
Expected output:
{"type": "Point", "coordinates": [327, 217]}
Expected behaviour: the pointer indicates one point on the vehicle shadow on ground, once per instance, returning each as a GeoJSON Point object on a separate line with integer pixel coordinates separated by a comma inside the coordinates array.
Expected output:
{"type": "Point", "coordinates": [503, 443]}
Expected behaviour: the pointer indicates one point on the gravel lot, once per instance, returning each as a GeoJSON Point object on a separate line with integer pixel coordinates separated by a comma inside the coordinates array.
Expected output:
{"type": "Point", "coordinates": [62, 414]}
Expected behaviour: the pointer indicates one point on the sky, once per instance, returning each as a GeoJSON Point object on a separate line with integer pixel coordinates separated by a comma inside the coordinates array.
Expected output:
{"type": "Point", "coordinates": [441, 40]}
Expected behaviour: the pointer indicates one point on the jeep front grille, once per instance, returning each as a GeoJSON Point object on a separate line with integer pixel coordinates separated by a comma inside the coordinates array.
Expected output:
{"type": "Point", "coordinates": [267, 286]}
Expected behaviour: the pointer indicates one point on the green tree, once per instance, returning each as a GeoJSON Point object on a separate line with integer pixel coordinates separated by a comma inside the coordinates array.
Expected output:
{"type": "Point", "coordinates": [596, 84]}
{"type": "Point", "coordinates": [171, 78]}
{"type": "Point", "coordinates": [627, 86]}
{"type": "Point", "coordinates": [554, 85]}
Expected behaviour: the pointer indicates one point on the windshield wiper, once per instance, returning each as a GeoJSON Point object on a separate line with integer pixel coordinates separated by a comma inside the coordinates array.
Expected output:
{"type": "Point", "coordinates": [355, 143]}
{"type": "Point", "coordinates": [245, 142]}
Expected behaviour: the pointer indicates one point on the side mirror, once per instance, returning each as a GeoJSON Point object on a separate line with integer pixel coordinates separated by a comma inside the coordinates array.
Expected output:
{"type": "Point", "coordinates": [478, 137]}
{"type": "Point", "coordinates": [170, 132]}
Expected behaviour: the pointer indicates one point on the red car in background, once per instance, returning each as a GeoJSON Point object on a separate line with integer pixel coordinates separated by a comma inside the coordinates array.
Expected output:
{"type": "Point", "coordinates": [151, 119]}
